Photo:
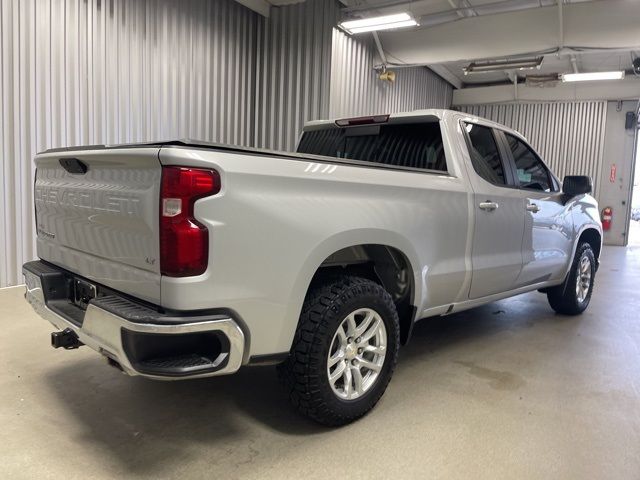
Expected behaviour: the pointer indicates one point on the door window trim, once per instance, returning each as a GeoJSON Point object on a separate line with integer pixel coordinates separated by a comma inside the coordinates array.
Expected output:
{"type": "Point", "coordinates": [509, 176]}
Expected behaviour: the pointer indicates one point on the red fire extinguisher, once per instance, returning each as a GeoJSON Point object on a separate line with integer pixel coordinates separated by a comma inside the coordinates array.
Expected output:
{"type": "Point", "coordinates": [607, 215]}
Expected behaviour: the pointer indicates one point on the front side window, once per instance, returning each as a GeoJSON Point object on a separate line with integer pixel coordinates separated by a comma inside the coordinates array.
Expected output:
{"type": "Point", "coordinates": [415, 145]}
{"type": "Point", "coordinates": [484, 153]}
{"type": "Point", "coordinates": [531, 171]}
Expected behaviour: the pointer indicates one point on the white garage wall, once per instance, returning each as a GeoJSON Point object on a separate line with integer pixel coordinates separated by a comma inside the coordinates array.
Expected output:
{"type": "Point", "coordinates": [568, 135]}
{"type": "Point", "coordinates": [77, 72]}
{"type": "Point", "coordinates": [356, 90]}
{"type": "Point", "coordinates": [616, 190]}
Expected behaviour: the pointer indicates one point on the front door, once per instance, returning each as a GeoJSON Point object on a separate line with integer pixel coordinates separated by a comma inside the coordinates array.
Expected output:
{"type": "Point", "coordinates": [499, 215]}
{"type": "Point", "coordinates": [548, 230]}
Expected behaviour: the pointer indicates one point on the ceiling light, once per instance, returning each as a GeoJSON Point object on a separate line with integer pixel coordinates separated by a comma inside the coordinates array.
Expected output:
{"type": "Point", "coordinates": [386, 22]}
{"type": "Point", "coordinates": [501, 65]}
{"type": "Point", "coordinates": [585, 77]}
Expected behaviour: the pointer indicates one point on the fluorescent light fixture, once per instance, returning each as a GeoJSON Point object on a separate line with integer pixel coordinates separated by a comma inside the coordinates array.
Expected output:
{"type": "Point", "coordinates": [586, 77]}
{"type": "Point", "coordinates": [502, 65]}
{"type": "Point", "coordinates": [386, 22]}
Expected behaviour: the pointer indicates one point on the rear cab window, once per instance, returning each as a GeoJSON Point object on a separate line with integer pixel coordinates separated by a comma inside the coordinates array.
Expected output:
{"type": "Point", "coordinates": [403, 145]}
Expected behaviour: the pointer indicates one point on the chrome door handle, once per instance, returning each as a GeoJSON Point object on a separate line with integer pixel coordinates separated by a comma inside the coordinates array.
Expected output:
{"type": "Point", "coordinates": [532, 207]}
{"type": "Point", "coordinates": [489, 206]}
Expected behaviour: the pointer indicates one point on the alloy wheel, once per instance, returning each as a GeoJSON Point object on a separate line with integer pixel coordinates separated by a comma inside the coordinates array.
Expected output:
{"type": "Point", "coordinates": [357, 353]}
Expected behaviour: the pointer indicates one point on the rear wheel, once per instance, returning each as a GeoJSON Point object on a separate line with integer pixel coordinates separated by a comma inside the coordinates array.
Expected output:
{"type": "Point", "coordinates": [572, 297]}
{"type": "Point", "coordinates": [344, 352]}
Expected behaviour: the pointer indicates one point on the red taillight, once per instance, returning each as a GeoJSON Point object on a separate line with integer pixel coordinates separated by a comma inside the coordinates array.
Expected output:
{"type": "Point", "coordinates": [184, 242]}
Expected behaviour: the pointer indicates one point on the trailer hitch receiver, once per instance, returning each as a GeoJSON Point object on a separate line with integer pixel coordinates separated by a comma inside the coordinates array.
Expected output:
{"type": "Point", "coordinates": [66, 339]}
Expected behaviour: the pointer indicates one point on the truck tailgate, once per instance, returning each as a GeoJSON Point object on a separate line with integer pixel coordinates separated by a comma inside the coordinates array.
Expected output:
{"type": "Point", "coordinates": [97, 215]}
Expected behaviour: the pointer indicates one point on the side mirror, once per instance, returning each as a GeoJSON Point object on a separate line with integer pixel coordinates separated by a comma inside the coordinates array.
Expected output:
{"type": "Point", "coordinates": [573, 185]}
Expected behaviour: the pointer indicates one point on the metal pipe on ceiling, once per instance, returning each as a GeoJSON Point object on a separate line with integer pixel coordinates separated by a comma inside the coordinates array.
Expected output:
{"type": "Point", "coordinates": [560, 26]}
{"type": "Point", "coordinates": [586, 27]}
{"type": "Point", "coordinates": [460, 12]}
{"type": "Point", "coordinates": [574, 64]}
{"type": "Point", "coordinates": [383, 57]}
{"type": "Point", "coordinates": [458, 4]}
{"type": "Point", "coordinates": [487, 8]}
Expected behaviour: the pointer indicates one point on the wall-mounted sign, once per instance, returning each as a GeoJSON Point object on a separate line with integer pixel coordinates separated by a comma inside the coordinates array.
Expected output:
{"type": "Point", "coordinates": [612, 174]}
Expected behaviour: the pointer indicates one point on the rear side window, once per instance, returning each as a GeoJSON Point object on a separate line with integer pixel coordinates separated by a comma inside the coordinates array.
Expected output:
{"type": "Point", "coordinates": [531, 171]}
{"type": "Point", "coordinates": [484, 153]}
{"type": "Point", "coordinates": [415, 145]}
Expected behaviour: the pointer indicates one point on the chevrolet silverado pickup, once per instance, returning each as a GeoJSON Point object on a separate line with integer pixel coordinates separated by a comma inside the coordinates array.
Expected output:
{"type": "Point", "coordinates": [183, 259]}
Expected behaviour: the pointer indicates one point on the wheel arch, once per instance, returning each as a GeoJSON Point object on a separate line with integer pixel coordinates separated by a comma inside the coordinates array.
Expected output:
{"type": "Point", "coordinates": [592, 234]}
{"type": "Point", "coordinates": [593, 237]}
{"type": "Point", "coordinates": [377, 255]}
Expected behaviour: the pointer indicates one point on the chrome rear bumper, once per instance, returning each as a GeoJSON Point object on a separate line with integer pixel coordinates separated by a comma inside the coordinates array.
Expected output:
{"type": "Point", "coordinates": [127, 342]}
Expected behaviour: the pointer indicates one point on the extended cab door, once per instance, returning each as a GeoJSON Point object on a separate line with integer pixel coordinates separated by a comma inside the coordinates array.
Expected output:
{"type": "Point", "coordinates": [499, 214]}
{"type": "Point", "coordinates": [548, 228]}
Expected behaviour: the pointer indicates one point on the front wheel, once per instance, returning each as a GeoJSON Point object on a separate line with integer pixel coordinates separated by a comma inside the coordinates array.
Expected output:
{"type": "Point", "coordinates": [572, 297]}
{"type": "Point", "coordinates": [344, 351]}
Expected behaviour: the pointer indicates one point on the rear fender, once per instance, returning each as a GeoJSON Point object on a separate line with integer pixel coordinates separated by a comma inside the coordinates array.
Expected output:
{"type": "Point", "coordinates": [333, 244]}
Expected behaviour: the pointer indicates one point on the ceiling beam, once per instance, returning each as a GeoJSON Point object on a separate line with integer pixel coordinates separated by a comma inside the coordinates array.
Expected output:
{"type": "Point", "coordinates": [459, 4]}
{"type": "Point", "coordinates": [446, 74]}
{"type": "Point", "coordinates": [574, 63]}
{"type": "Point", "coordinates": [604, 24]}
{"type": "Point", "coordinates": [259, 6]}
{"type": "Point", "coordinates": [629, 88]}
{"type": "Point", "coordinates": [439, 70]}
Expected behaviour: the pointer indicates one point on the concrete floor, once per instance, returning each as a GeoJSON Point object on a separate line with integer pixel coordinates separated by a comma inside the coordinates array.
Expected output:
{"type": "Point", "coordinates": [509, 390]}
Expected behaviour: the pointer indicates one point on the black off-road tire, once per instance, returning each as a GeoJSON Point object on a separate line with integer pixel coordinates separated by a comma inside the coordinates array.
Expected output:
{"type": "Point", "coordinates": [304, 373]}
{"type": "Point", "coordinates": [563, 298]}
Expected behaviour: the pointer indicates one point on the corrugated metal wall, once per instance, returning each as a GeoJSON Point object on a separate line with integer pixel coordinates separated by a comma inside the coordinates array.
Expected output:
{"type": "Point", "coordinates": [568, 135]}
{"type": "Point", "coordinates": [98, 71]}
{"type": "Point", "coordinates": [356, 90]}
{"type": "Point", "coordinates": [76, 72]}
{"type": "Point", "coordinates": [294, 71]}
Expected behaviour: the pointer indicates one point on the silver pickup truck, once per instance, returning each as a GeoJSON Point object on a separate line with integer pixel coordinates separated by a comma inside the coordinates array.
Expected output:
{"type": "Point", "coordinates": [182, 259]}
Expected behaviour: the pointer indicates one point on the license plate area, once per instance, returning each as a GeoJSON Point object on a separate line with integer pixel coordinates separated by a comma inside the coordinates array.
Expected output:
{"type": "Point", "coordinates": [81, 293]}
